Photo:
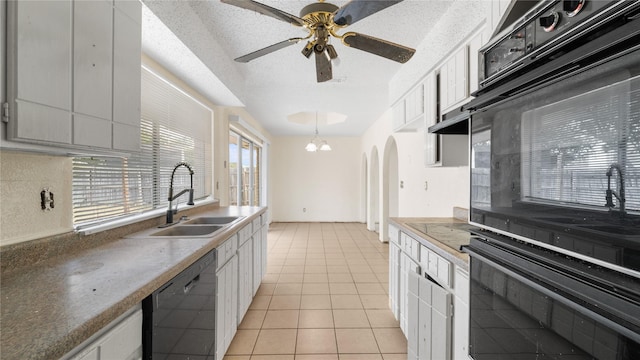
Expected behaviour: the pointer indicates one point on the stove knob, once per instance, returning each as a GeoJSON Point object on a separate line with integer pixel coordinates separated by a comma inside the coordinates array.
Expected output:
{"type": "Point", "coordinates": [549, 22]}
{"type": "Point", "coordinates": [572, 7]}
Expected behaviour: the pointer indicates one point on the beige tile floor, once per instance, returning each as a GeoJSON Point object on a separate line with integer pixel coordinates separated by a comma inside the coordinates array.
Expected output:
{"type": "Point", "coordinates": [324, 297]}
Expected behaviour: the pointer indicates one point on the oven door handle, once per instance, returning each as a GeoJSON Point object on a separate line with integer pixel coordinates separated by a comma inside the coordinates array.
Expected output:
{"type": "Point", "coordinates": [635, 336]}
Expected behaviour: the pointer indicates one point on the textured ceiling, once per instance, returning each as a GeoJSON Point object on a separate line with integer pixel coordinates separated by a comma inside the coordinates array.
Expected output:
{"type": "Point", "coordinates": [283, 83]}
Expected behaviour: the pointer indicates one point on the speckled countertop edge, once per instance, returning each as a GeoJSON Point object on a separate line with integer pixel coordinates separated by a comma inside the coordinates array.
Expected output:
{"type": "Point", "coordinates": [458, 258]}
{"type": "Point", "coordinates": [49, 308]}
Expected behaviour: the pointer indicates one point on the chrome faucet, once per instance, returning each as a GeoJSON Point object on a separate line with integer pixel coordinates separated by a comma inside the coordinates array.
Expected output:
{"type": "Point", "coordinates": [612, 193]}
{"type": "Point", "coordinates": [170, 211]}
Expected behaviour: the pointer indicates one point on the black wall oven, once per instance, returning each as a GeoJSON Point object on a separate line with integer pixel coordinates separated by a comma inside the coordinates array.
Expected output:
{"type": "Point", "coordinates": [555, 186]}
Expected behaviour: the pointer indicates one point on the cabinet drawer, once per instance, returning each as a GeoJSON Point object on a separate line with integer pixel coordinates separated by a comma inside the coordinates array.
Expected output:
{"type": "Point", "coordinates": [226, 250]}
{"type": "Point", "coordinates": [436, 266]}
{"type": "Point", "coordinates": [257, 224]}
{"type": "Point", "coordinates": [411, 246]}
{"type": "Point", "coordinates": [444, 271]}
{"type": "Point", "coordinates": [244, 234]}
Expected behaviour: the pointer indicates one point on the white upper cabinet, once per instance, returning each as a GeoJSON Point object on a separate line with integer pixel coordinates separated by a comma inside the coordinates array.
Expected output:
{"type": "Point", "coordinates": [39, 75]}
{"type": "Point", "coordinates": [454, 75]}
{"type": "Point", "coordinates": [409, 113]}
{"type": "Point", "coordinates": [475, 43]}
{"type": "Point", "coordinates": [127, 39]}
{"type": "Point", "coordinates": [74, 74]}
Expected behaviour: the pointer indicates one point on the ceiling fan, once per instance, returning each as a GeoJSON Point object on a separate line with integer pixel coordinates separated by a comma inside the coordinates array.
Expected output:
{"type": "Point", "coordinates": [322, 20]}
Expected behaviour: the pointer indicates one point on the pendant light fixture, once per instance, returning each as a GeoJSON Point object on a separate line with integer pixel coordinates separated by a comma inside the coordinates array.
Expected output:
{"type": "Point", "coordinates": [317, 143]}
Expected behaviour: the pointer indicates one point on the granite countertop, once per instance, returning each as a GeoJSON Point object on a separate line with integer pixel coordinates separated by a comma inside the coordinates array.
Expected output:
{"type": "Point", "coordinates": [49, 308]}
{"type": "Point", "coordinates": [445, 236]}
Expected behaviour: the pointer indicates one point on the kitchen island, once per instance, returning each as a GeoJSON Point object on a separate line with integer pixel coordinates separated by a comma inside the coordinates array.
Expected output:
{"type": "Point", "coordinates": [51, 307]}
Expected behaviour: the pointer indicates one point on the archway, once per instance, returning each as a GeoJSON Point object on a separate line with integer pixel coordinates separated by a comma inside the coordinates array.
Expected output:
{"type": "Point", "coordinates": [390, 187]}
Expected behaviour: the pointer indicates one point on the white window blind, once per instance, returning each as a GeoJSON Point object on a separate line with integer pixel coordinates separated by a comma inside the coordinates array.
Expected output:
{"type": "Point", "coordinates": [174, 128]}
{"type": "Point", "coordinates": [569, 146]}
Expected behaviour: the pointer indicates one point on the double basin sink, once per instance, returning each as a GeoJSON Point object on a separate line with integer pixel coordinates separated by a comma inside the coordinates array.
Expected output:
{"type": "Point", "coordinates": [197, 227]}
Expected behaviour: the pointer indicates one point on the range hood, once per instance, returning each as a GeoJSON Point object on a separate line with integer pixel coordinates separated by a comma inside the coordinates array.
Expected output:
{"type": "Point", "coordinates": [455, 122]}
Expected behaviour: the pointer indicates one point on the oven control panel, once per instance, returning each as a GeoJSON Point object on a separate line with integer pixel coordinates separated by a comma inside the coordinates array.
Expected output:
{"type": "Point", "coordinates": [542, 29]}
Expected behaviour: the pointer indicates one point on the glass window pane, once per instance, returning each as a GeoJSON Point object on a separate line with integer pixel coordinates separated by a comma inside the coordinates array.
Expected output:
{"type": "Point", "coordinates": [234, 180]}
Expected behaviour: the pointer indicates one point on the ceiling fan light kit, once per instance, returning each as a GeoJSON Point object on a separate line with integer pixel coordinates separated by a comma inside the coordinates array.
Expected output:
{"type": "Point", "coordinates": [322, 20]}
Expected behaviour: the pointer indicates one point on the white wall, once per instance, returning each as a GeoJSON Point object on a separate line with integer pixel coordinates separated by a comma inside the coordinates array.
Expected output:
{"type": "Point", "coordinates": [327, 184]}
{"type": "Point", "coordinates": [22, 177]}
{"type": "Point", "coordinates": [447, 186]}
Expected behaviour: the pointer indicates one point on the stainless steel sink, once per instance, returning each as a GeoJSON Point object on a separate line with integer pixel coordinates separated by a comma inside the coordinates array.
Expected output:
{"type": "Point", "coordinates": [188, 231]}
{"type": "Point", "coordinates": [213, 220]}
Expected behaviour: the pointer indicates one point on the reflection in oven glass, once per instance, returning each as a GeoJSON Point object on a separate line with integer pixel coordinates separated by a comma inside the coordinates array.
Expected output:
{"type": "Point", "coordinates": [511, 320]}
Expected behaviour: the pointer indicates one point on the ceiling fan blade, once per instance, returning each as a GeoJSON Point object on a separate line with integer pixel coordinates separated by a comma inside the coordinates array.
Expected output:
{"type": "Point", "coordinates": [380, 47]}
{"type": "Point", "coordinates": [356, 10]}
{"type": "Point", "coordinates": [269, 49]}
{"type": "Point", "coordinates": [266, 10]}
{"type": "Point", "coordinates": [324, 71]}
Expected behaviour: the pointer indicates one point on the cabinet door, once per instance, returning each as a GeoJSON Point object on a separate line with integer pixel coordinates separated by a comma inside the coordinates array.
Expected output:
{"type": "Point", "coordinates": [475, 44]}
{"type": "Point", "coordinates": [407, 266]}
{"type": "Point", "coordinates": [431, 118]}
{"type": "Point", "coordinates": [440, 323]}
{"type": "Point", "coordinates": [245, 275]}
{"type": "Point", "coordinates": [454, 79]}
{"type": "Point", "coordinates": [39, 70]}
{"type": "Point", "coordinates": [264, 247]}
{"type": "Point", "coordinates": [461, 318]}
{"type": "Point", "coordinates": [92, 59]}
{"type": "Point", "coordinates": [257, 262]}
{"type": "Point", "coordinates": [461, 61]}
{"type": "Point", "coordinates": [444, 84]}
{"type": "Point", "coordinates": [231, 301]}
{"type": "Point", "coordinates": [221, 294]}
{"type": "Point", "coordinates": [394, 279]}
{"type": "Point", "coordinates": [413, 325]}
{"type": "Point", "coordinates": [125, 340]}
{"type": "Point", "coordinates": [126, 78]}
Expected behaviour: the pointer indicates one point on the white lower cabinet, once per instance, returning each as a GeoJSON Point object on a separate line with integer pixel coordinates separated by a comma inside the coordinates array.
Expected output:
{"type": "Point", "coordinates": [226, 303]}
{"type": "Point", "coordinates": [394, 279]}
{"type": "Point", "coordinates": [121, 339]}
{"type": "Point", "coordinates": [245, 278]}
{"type": "Point", "coordinates": [429, 295]}
{"type": "Point", "coordinates": [461, 316]}
{"type": "Point", "coordinates": [429, 321]}
{"type": "Point", "coordinates": [407, 267]}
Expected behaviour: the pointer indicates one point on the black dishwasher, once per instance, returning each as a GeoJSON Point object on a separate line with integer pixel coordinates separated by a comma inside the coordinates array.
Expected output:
{"type": "Point", "coordinates": [179, 317]}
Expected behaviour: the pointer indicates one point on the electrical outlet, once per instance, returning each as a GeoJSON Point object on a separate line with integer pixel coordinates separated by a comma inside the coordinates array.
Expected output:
{"type": "Point", "coordinates": [46, 199]}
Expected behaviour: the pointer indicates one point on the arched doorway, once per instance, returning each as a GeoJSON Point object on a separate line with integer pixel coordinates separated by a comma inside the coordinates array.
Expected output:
{"type": "Point", "coordinates": [390, 187]}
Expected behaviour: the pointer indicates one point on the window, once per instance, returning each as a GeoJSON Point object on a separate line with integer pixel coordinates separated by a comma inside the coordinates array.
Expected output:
{"type": "Point", "coordinates": [244, 170]}
{"type": "Point", "coordinates": [174, 128]}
